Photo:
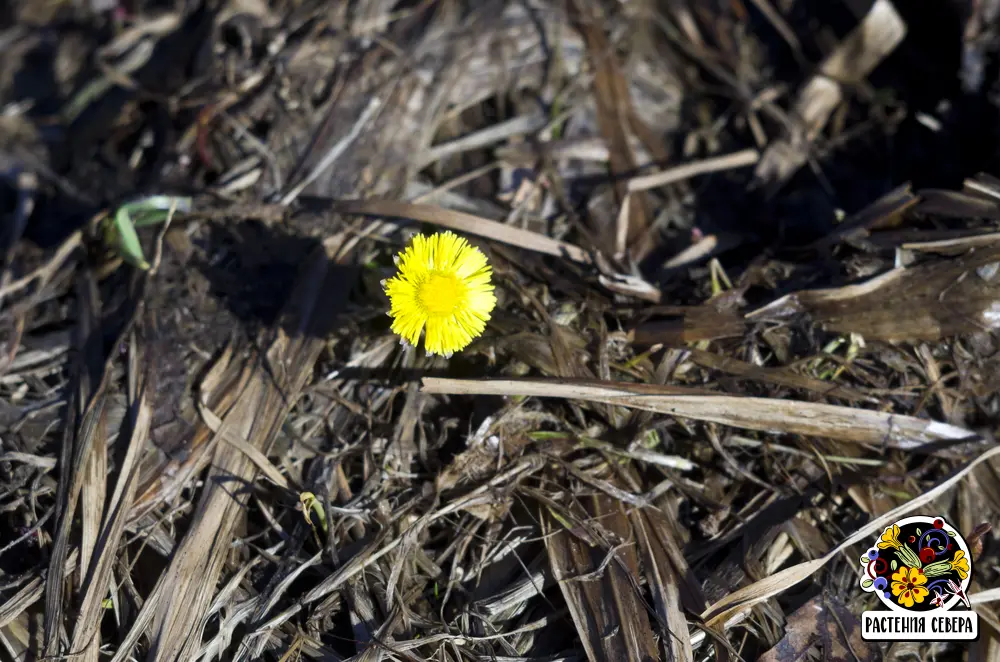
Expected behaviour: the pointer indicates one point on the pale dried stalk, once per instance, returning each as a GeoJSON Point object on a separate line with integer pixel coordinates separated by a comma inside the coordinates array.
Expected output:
{"type": "Point", "coordinates": [764, 414]}
{"type": "Point", "coordinates": [86, 632]}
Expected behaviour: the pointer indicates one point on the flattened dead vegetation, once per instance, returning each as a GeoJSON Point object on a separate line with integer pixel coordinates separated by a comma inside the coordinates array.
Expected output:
{"type": "Point", "coordinates": [747, 263]}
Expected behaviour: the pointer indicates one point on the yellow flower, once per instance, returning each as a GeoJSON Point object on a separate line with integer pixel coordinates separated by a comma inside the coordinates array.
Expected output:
{"type": "Point", "coordinates": [960, 564]}
{"type": "Point", "coordinates": [908, 586]}
{"type": "Point", "coordinates": [444, 284]}
{"type": "Point", "coordinates": [890, 538]}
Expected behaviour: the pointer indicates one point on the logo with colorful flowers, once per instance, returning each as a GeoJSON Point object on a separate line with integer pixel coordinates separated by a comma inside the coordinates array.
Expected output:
{"type": "Point", "coordinates": [919, 566]}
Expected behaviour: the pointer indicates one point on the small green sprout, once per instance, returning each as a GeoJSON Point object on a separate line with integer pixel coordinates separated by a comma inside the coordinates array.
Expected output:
{"type": "Point", "coordinates": [119, 229]}
{"type": "Point", "coordinates": [310, 504]}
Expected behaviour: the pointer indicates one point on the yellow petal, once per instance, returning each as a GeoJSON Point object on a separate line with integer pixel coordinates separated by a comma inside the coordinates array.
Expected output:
{"type": "Point", "coordinates": [442, 287]}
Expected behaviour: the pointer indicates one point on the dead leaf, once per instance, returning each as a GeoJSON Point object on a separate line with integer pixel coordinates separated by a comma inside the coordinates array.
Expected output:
{"type": "Point", "coordinates": [930, 301]}
{"type": "Point", "coordinates": [823, 622]}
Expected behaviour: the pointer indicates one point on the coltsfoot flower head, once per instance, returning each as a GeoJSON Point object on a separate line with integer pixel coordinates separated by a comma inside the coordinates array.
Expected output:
{"type": "Point", "coordinates": [444, 284]}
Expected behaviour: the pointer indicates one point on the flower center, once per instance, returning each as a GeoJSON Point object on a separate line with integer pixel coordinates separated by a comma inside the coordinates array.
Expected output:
{"type": "Point", "coordinates": [441, 294]}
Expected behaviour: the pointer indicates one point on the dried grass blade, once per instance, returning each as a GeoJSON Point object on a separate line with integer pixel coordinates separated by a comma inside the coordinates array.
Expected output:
{"type": "Point", "coordinates": [86, 635]}
{"type": "Point", "coordinates": [982, 597]}
{"type": "Point", "coordinates": [741, 159]}
{"type": "Point", "coordinates": [614, 108]}
{"type": "Point", "coordinates": [379, 546]}
{"type": "Point", "coordinates": [605, 608]}
{"type": "Point", "coordinates": [162, 482]}
{"type": "Point", "coordinates": [187, 585]}
{"type": "Point", "coordinates": [372, 552]}
{"type": "Point", "coordinates": [218, 426]}
{"type": "Point", "coordinates": [764, 414]}
{"type": "Point", "coordinates": [661, 526]}
{"type": "Point", "coordinates": [693, 323]}
{"type": "Point", "coordinates": [663, 584]}
{"type": "Point", "coordinates": [93, 491]}
{"type": "Point", "coordinates": [883, 211]}
{"type": "Point", "coordinates": [780, 376]}
{"type": "Point", "coordinates": [623, 576]}
{"type": "Point", "coordinates": [957, 204]}
{"type": "Point", "coordinates": [31, 593]}
{"type": "Point", "coordinates": [86, 410]}
{"type": "Point", "coordinates": [462, 222]}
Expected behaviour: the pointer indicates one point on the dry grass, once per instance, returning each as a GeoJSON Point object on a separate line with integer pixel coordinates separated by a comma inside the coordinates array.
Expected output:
{"type": "Point", "coordinates": [698, 401]}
